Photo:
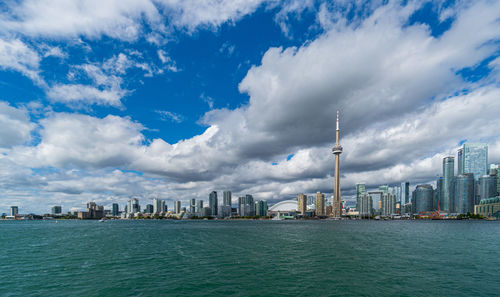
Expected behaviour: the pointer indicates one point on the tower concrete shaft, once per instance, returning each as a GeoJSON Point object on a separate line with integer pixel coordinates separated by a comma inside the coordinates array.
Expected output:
{"type": "Point", "coordinates": [337, 150]}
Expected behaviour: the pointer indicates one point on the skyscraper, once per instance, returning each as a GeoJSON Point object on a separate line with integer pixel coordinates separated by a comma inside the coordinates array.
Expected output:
{"type": "Point", "coordinates": [192, 206]}
{"type": "Point", "coordinates": [157, 207]}
{"type": "Point", "coordinates": [487, 187]}
{"type": "Point", "coordinates": [177, 207]}
{"type": "Point", "coordinates": [405, 192]}
{"type": "Point", "coordinates": [360, 191]}
{"type": "Point", "coordinates": [133, 206]}
{"type": "Point", "coordinates": [460, 155]}
{"type": "Point", "coordinates": [261, 209]}
{"type": "Point", "coordinates": [199, 206]}
{"type": "Point", "coordinates": [475, 159]}
{"type": "Point", "coordinates": [116, 209]}
{"type": "Point", "coordinates": [213, 203]}
{"type": "Point", "coordinates": [337, 150]}
{"type": "Point", "coordinates": [163, 206]}
{"type": "Point", "coordinates": [149, 208]}
{"type": "Point", "coordinates": [365, 206]}
{"type": "Point", "coordinates": [227, 198]}
{"type": "Point", "coordinates": [14, 210]}
{"type": "Point", "coordinates": [302, 199]}
{"type": "Point", "coordinates": [448, 176]}
{"type": "Point", "coordinates": [55, 210]}
{"type": "Point", "coordinates": [464, 194]}
{"type": "Point", "coordinates": [320, 204]}
{"type": "Point", "coordinates": [422, 198]}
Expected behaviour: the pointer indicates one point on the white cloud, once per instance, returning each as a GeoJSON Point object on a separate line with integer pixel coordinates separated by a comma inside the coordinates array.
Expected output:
{"type": "Point", "coordinates": [15, 126]}
{"type": "Point", "coordinates": [16, 55]}
{"type": "Point", "coordinates": [166, 115]}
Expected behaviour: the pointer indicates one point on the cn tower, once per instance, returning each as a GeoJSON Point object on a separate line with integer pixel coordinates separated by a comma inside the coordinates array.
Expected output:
{"type": "Point", "coordinates": [337, 150]}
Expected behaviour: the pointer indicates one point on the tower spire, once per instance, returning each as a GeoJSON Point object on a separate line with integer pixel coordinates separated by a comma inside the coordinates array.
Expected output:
{"type": "Point", "coordinates": [338, 120]}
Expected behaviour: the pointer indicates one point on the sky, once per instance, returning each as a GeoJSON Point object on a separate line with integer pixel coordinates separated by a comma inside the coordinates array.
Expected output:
{"type": "Point", "coordinates": [172, 99]}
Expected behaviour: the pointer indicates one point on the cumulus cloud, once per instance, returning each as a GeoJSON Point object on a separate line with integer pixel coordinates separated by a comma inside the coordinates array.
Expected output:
{"type": "Point", "coordinates": [16, 126]}
{"type": "Point", "coordinates": [17, 56]}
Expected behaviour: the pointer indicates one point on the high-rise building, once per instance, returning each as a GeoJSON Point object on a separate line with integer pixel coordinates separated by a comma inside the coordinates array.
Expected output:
{"type": "Point", "coordinates": [157, 207]}
{"type": "Point", "coordinates": [116, 209]}
{"type": "Point", "coordinates": [261, 208]}
{"type": "Point", "coordinates": [14, 210]}
{"type": "Point", "coordinates": [55, 210]}
{"type": "Point", "coordinates": [199, 206]}
{"type": "Point", "coordinates": [360, 191]}
{"type": "Point", "coordinates": [133, 206]}
{"type": "Point", "coordinates": [405, 193]}
{"type": "Point", "coordinates": [149, 208]}
{"type": "Point", "coordinates": [320, 204]}
{"type": "Point", "coordinates": [446, 191]}
{"type": "Point", "coordinates": [464, 194]}
{"type": "Point", "coordinates": [213, 203]}
{"type": "Point", "coordinates": [192, 206]}
{"type": "Point", "coordinates": [460, 160]}
{"type": "Point", "coordinates": [163, 206]}
{"type": "Point", "coordinates": [337, 150]}
{"type": "Point", "coordinates": [388, 204]}
{"type": "Point", "coordinates": [423, 198]}
{"type": "Point", "coordinates": [475, 159]}
{"type": "Point", "coordinates": [487, 187]}
{"type": "Point", "coordinates": [227, 198]}
{"type": "Point", "coordinates": [365, 206]}
{"type": "Point", "coordinates": [206, 211]}
{"type": "Point", "coordinates": [177, 207]}
{"type": "Point", "coordinates": [246, 205]}
{"type": "Point", "coordinates": [384, 189]}
{"type": "Point", "coordinates": [302, 203]}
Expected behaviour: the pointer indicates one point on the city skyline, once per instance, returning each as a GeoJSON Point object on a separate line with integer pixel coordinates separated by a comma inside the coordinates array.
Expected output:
{"type": "Point", "coordinates": [155, 100]}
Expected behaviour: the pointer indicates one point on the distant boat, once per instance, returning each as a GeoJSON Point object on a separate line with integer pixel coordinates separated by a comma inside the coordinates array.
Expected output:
{"type": "Point", "coordinates": [102, 220]}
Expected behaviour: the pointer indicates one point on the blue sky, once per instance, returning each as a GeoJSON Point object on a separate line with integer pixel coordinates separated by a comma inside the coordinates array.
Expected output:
{"type": "Point", "coordinates": [105, 100]}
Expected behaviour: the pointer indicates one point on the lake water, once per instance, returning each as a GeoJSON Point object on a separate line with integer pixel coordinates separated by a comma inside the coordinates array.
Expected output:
{"type": "Point", "coordinates": [249, 258]}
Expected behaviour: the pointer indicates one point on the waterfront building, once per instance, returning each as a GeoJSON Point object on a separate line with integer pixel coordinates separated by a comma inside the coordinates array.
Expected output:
{"type": "Point", "coordinates": [495, 170]}
{"type": "Point", "coordinates": [405, 193]}
{"type": "Point", "coordinates": [261, 208]}
{"type": "Point", "coordinates": [149, 208]}
{"type": "Point", "coordinates": [464, 194]}
{"type": "Point", "coordinates": [460, 155]}
{"type": "Point", "coordinates": [177, 207]}
{"type": "Point", "coordinates": [376, 199]}
{"type": "Point", "coordinates": [475, 159]}
{"type": "Point", "coordinates": [246, 206]}
{"type": "Point", "coordinates": [445, 192]}
{"type": "Point", "coordinates": [365, 206]}
{"type": "Point", "coordinates": [384, 189]}
{"type": "Point", "coordinates": [206, 211]}
{"type": "Point", "coordinates": [157, 207]}
{"type": "Point", "coordinates": [94, 211]}
{"type": "Point", "coordinates": [487, 187]}
{"type": "Point", "coordinates": [199, 206]}
{"type": "Point", "coordinates": [213, 203]}
{"type": "Point", "coordinates": [320, 204]}
{"type": "Point", "coordinates": [360, 191]}
{"type": "Point", "coordinates": [225, 211]}
{"type": "Point", "coordinates": [115, 209]}
{"type": "Point", "coordinates": [56, 210]}
{"type": "Point", "coordinates": [388, 204]}
{"type": "Point", "coordinates": [489, 208]}
{"type": "Point", "coordinates": [337, 150]}
{"type": "Point", "coordinates": [192, 206]}
{"type": "Point", "coordinates": [14, 211]}
{"type": "Point", "coordinates": [227, 197]}
{"type": "Point", "coordinates": [302, 203]}
{"type": "Point", "coordinates": [133, 206]}
{"type": "Point", "coordinates": [163, 206]}
{"type": "Point", "coordinates": [423, 198]}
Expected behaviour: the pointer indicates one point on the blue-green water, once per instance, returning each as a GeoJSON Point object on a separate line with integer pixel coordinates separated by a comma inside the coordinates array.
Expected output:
{"type": "Point", "coordinates": [250, 258]}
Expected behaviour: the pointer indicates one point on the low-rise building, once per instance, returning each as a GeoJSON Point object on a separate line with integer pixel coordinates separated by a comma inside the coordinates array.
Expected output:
{"type": "Point", "coordinates": [489, 208]}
